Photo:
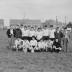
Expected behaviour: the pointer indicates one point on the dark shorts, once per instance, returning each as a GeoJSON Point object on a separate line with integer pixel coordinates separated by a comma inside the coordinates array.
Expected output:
{"type": "Point", "coordinates": [45, 38]}
{"type": "Point", "coordinates": [33, 46]}
{"type": "Point", "coordinates": [52, 39]}
{"type": "Point", "coordinates": [25, 38]}
{"type": "Point", "coordinates": [29, 38]}
{"type": "Point", "coordinates": [38, 40]}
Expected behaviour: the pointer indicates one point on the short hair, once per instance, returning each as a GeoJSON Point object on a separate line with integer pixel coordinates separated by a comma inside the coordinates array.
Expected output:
{"type": "Point", "coordinates": [57, 27]}
{"type": "Point", "coordinates": [21, 24]}
{"type": "Point", "coordinates": [33, 36]}
{"type": "Point", "coordinates": [51, 26]}
{"type": "Point", "coordinates": [25, 26]}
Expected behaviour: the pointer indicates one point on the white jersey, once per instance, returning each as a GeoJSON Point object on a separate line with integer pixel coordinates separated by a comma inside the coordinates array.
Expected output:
{"type": "Point", "coordinates": [27, 44]}
{"type": "Point", "coordinates": [52, 33]}
{"type": "Point", "coordinates": [22, 44]}
{"type": "Point", "coordinates": [33, 43]}
{"type": "Point", "coordinates": [50, 43]}
{"type": "Point", "coordinates": [40, 44]}
{"type": "Point", "coordinates": [22, 29]}
{"type": "Point", "coordinates": [32, 33]}
{"type": "Point", "coordinates": [45, 44]}
{"type": "Point", "coordinates": [46, 32]}
{"type": "Point", "coordinates": [39, 35]}
{"type": "Point", "coordinates": [17, 42]}
{"type": "Point", "coordinates": [24, 32]}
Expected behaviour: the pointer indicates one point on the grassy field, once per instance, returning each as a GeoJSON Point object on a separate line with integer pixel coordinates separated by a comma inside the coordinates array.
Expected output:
{"type": "Point", "coordinates": [11, 61]}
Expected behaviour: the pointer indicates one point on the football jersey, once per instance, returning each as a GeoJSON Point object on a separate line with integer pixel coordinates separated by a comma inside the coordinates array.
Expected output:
{"type": "Point", "coordinates": [46, 32]}
{"type": "Point", "coordinates": [40, 45]}
{"type": "Point", "coordinates": [39, 34]}
{"type": "Point", "coordinates": [33, 43]}
{"type": "Point", "coordinates": [32, 33]}
{"type": "Point", "coordinates": [24, 32]}
{"type": "Point", "coordinates": [52, 33]}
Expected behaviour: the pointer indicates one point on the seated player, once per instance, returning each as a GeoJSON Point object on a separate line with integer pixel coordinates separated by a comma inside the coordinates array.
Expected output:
{"type": "Point", "coordinates": [17, 44]}
{"type": "Point", "coordinates": [49, 43]}
{"type": "Point", "coordinates": [40, 45]}
{"type": "Point", "coordinates": [25, 45]}
{"type": "Point", "coordinates": [33, 44]}
{"type": "Point", "coordinates": [46, 45]}
{"type": "Point", "coordinates": [56, 46]}
{"type": "Point", "coordinates": [21, 44]}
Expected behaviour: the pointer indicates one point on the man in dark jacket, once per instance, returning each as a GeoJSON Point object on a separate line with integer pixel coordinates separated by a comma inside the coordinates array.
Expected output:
{"type": "Point", "coordinates": [18, 33]}
{"type": "Point", "coordinates": [58, 35]}
{"type": "Point", "coordinates": [10, 34]}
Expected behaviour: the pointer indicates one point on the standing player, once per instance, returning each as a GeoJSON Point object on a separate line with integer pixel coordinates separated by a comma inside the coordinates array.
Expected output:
{"type": "Point", "coordinates": [52, 36]}
{"type": "Point", "coordinates": [46, 33]}
{"type": "Point", "coordinates": [25, 33]}
{"type": "Point", "coordinates": [32, 32]}
{"type": "Point", "coordinates": [39, 34]}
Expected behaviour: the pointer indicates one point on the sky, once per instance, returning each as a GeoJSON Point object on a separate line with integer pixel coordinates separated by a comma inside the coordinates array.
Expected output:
{"type": "Point", "coordinates": [36, 9]}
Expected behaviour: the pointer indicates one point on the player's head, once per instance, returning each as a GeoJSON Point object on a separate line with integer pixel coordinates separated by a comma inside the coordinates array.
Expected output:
{"type": "Point", "coordinates": [41, 40]}
{"type": "Point", "coordinates": [17, 26]}
{"type": "Point", "coordinates": [21, 25]}
{"type": "Point", "coordinates": [51, 26]}
{"type": "Point", "coordinates": [56, 40]}
{"type": "Point", "coordinates": [33, 37]}
{"type": "Point", "coordinates": [39, 29]}
{"type": "Point", "coordinates": [32, 28]}
{"type": "Point", "coordinates": [11, 27]}
{"type": "Point", "coordinates": [25, 27]}
{"type": "Point", "coordinates": [45, 27]}
{"type": "Point", "coordinates": [57, 28]}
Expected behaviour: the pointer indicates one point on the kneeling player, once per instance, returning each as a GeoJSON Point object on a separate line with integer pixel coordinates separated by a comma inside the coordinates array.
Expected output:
{"type": "Point", "coordinates": [50, 43]}
{"type": "Point", "coordinates": [57, 46]}
{"type": "Point", "coordinates": [33, 44]}
{"type": "Point", "coordinates": [17, 44]}
{"type": "Point", "coordinates": [40, 45]}
{"type": "Point", "coordinates": [25, 45]}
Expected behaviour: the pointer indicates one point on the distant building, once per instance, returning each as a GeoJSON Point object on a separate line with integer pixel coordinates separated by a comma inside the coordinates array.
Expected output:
{"type": "Point", "coordinates": [27, 22]}
{"type": "Point", "coordinates": [6, 22]}
{"type": "Point", "coordinates": [53, 23]}
{"type": "Point", "coordinates": [15, 22]}
{"type": "Point", "coordinates": [1, 23]}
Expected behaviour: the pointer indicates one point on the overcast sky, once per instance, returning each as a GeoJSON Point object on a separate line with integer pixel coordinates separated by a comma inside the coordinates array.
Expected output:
{"type": "Point", "coordinates": [36, 9]}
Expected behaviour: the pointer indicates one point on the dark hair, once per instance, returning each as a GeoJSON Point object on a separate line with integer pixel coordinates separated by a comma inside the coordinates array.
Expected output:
{"type": "Point", "coordinates": [21, 24]}
{"type": "Point", "coordinates": [33, 36]}
{"type": "Point", "coordinates": [51, 25]}
{"type": "Point", "coordinates": [57, 27]}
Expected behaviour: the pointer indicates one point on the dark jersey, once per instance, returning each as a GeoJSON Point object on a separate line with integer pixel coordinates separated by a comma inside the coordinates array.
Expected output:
{"type": "Point", "coordinates": [17, 33]}
{"type": "Point", "coordinates": [57, 44]}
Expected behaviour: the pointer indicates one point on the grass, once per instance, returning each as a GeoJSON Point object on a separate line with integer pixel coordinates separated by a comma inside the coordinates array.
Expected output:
{"type": "Point", "coordinates": [11, 61]}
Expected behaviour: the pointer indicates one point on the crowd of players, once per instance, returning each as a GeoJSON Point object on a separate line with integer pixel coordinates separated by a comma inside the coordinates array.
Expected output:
{"type": "Point", "coordinates": [35, 40]}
